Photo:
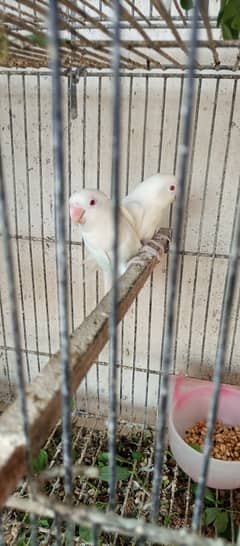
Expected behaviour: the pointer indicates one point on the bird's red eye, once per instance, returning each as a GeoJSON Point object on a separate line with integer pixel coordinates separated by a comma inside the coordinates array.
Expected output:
{"type": "Point", "coordinates": [92, 202]}
{"type": "Point", "coordinates": [172, 187]}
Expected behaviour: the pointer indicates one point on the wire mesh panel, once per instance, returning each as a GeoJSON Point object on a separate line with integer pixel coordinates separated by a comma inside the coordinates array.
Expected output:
{"type": "Point", "coordinates": [211, 196]}
{"type": "Point", "coordinates": [87, 30]}
{"type": "Point", "coordinates": [185, 317]}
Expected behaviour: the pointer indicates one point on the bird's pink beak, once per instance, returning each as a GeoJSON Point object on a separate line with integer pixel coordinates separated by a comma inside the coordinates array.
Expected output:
{"type": "Point", "coordinates": [77, 214]}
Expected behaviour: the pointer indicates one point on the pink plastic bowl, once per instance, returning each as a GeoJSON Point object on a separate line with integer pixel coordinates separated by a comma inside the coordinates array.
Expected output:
{"type": "Point", "coordinates": [192, 406]}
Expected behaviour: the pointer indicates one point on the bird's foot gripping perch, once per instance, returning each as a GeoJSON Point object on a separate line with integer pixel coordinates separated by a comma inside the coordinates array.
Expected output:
{"type": "Point", "coordinates": [154, 248]}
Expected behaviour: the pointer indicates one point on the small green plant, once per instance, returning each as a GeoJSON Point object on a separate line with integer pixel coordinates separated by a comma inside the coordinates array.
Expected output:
{"type": "Point", "coordinates": [228, 17]}
{"type": "Point", "coordinates": [125, 467]}
{"type": "Point", "coordinates": [217, 516]}
{"type": "Point", "coordinates": [72, 404]}
{"type": "Point", "coordinates": [23, 540]}
{"type": "Point", "coordinates": [147, 437]}
{"type": "Point", "coordinates": [40, 462]}
{"type": "Point", "coordinates": [43, 522]}
{"type": "Point", "coordinates": [214, 513]}
{"type": "Point", "coordinates": [101, 506]}
{"type": "Point", "coordinates": [85, 534]}
{"type": "Point", "coordinates": [37, 39]}
{"type": "Point", "coordinates": [197, 447]}
{"type": "Point", "coordinates": [137, 456]}
{"type": "Point", "coordinates": [166, 520]}
{"type": "Point", "coordinates": [186, 4]}
{"type": "Point", "coordinates": [75, 454]}
{"type": "Point", "coordinates": [122, 473]}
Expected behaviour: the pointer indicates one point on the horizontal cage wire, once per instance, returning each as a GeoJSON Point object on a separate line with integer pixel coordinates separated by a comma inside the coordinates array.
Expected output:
{"type": "Point", "coordinates": [165, 328]}
{"type": "Point", "coordinates": [154, 35]}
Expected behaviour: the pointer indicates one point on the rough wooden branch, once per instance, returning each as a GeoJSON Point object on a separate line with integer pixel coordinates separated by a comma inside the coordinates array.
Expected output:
{"type": "Point", "coordinates": [44, 393]}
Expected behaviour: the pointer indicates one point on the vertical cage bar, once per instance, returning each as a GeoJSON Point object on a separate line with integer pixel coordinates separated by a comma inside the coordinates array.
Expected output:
{"type": "Point", "coordinates": [178, 127]}
{"type": "Point", "coordinates": [95, 534]}
{"type": "Point", "coordinates": [235, 327]}
{"type": "Point", "coordinates": [173, 274]}
{"type": "Point", "coordinates": [229, 291]}
{"type": "Point", "coordinates": [112, 413]}
{"type": "Point", "coordinates": [121, 328]}
{"type": "Point", "coordinates": [126, 192]}
{"type": "Point", "coordinates": [4, 228]}
{"type": "Point", "coordinates": [145, 127]}
{"type": "Point", "coordinates": [57, 524]}
{"type": "Point", "coordinates": [134, 358]}
{"type": "Point", "coordinates": [69, 160]}
{"type": "Point", "coordinates": [203, 207]}
{"type": "Point", "coordinates": [129, 129]}
{"type": "Point", "coordinates": [10, 390]}
{"type": "Point", "coordinates": [167, 257]}
{"type": "Point", "coordinates": [162, 122]}
{"type": "Point", "coordinates": [84, 281]}
{"type": "Point", "coordinates": [149, 327]}
{"type": "Point", "coordinates": [129, 132]}
{"type": "Point", "coordinates": [29, 218]}
{"type": "Point", "coordinates": [221, 191]}
{"type": "Point", "coordinates": [145, 116]}
{"type": "Point", "coordinates": [42, 211]}
{"type": "Point", "coordinates": [17, 225]}
{"type": "Point", "coordinates": [99, 122]}
{"type": "Point", "coordinates": [2, 543]}
{"type": "Point", "coordinates": [60, 240]}
{"type": "Point", "coordinates": [171, 214]}
{"type": "Point", "coordinates": [182, 262]}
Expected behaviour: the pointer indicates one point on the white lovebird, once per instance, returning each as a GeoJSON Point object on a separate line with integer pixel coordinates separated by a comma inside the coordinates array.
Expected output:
{"type": "Point", "coordinates": [92, 210]}
{"type": "Point", "coordinates": [147, 202]}
{"type": "Point", "coordinates": [140, 217]}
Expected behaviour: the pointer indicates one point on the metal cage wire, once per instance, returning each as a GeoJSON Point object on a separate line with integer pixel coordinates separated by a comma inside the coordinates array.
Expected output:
{"type": "Point", "coordinates": [98, 521]}
{"type": "Point", "coordinates": [86, 34]}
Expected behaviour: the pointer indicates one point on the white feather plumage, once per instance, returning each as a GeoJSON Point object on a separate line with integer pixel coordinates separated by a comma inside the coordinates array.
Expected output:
{"type": "Point", "coordinates": [139, 218]}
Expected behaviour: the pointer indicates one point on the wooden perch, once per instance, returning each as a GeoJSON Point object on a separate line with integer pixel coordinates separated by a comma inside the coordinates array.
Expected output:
{"type": "Point", "coordinates": [43, 395]}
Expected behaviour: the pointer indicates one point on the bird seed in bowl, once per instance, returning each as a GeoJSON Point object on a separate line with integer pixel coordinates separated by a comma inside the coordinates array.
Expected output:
{"type": "Point", "coordinates": [226, 440]}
